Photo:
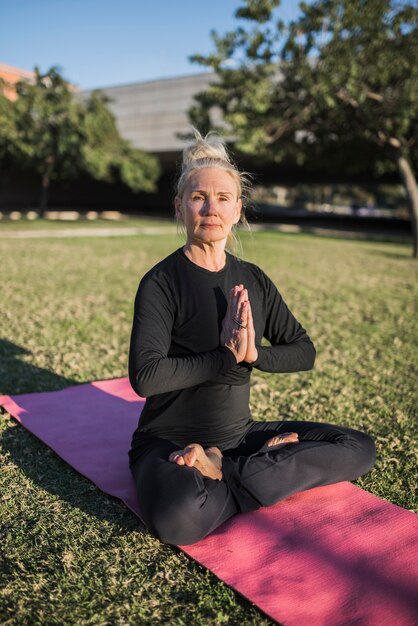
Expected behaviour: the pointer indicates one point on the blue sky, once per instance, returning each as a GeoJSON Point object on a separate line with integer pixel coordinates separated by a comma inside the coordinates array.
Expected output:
{"type": "Point", "coordinates": [98, 43]}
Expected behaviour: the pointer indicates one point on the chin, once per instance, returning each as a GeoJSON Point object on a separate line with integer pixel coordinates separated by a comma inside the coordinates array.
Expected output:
{"type": "Point", "coordinates": [210, 235]}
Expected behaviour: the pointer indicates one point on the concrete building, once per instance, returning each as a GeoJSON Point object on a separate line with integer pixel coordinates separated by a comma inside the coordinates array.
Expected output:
{"type": "Point", "coordinates": [151, 114]}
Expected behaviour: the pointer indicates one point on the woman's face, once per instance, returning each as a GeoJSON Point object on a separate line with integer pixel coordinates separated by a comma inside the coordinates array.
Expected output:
{"type": "Point", "coordinates": [210, 205]}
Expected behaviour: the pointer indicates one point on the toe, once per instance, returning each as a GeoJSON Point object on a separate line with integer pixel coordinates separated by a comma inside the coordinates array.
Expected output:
{"type": "Point", "coordinates": [190, 456]}
{"type": "Point", "coordinates": [176, 457]}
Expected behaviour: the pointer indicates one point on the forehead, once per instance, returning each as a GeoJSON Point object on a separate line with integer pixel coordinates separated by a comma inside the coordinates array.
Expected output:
{"type": "Point", "coordinates": [212, 177]}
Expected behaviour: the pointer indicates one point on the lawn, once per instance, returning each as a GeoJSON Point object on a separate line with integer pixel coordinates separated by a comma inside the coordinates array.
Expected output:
{"type": "Point", "coordinates": [11, 226]}
{"type": "Point", "coordinates": [71, 555]}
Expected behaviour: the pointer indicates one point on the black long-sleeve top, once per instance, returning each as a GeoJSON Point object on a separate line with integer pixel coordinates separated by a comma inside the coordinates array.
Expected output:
{"type": "Point", "coordinates": [195, 389]}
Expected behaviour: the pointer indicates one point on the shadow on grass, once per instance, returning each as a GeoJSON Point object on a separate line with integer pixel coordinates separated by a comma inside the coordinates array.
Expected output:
{"type": "Point", "coordinates": [38, 462]}
{"type": "Point", "coordinates": [50, 473]}
{"type": "Point", "coordinates": [392, 255]}
{"type": "Point", "coordinates": [17, 376]}
{"type": "Point", "coordinates": [56, 483]}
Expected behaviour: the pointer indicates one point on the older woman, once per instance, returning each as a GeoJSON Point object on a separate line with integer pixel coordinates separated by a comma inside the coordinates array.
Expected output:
{"type": "Point", "coordinates": [200, 315]}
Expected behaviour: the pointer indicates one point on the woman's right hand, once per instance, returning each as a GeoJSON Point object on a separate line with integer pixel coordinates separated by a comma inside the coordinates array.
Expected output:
{"type": "Point", "coordinates": [234, 334]}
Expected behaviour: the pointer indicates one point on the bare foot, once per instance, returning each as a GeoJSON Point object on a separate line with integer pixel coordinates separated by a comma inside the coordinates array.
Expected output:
{"type": "Point", "coordinates": [208, 462]}
{"type": "Point", "coordinates": [283, 438]}
{"type": "Point", "coordinates": [279, 441]}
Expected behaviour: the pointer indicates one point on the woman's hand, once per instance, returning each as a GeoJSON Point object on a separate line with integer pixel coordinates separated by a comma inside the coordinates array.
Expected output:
{"type": "Point", "coordinates": [235, 323]}
{"type": "Point", "coordinates": [252, 354]}
{"type": "Point", "coordinates": [233, 335]}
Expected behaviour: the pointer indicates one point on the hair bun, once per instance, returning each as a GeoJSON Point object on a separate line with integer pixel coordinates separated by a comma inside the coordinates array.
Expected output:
{"type": "Point", "coordinates": [208, 147]}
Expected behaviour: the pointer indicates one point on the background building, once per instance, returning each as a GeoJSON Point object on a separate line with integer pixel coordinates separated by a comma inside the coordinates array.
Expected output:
{"type": "Point", "coordinates": [152, 114]}
{"type": "Point", "coordinates": [12, 75]}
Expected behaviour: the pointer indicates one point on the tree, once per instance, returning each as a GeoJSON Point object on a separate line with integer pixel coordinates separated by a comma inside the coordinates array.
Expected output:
{"type": "Point", "coordinates": [51, 131]}
{"type": "Point", "coordinates": [340, 83]}
{"type": "Point", "coordinates": [107, 156]}
{"type": "Point", "coordinates": [48, 129]}
{"type": "Point", "coordinates": [7, 126]}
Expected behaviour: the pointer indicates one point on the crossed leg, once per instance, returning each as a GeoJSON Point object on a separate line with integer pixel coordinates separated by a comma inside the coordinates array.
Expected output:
{"type": "Point", "coordinates": [178, 503]}
{"type": "Point", "coordinates": [325, 454]}
{"type": "Point", "coordinates": [182, 504]}
{"type": "Point", "coordinates": [209, 460]}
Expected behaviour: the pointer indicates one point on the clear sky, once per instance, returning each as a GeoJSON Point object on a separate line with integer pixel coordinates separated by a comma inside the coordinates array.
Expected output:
{"type": "Point", "coordinates": [98, 43]}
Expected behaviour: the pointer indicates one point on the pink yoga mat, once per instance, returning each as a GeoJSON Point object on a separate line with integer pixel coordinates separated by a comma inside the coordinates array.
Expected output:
{"type": "Point", "coordinates": [330, 556]}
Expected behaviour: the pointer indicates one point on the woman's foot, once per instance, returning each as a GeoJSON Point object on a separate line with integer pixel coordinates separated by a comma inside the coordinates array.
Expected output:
{"type": "Point", "coordinates": [279, 441]}
{"type": "Point", "coordinates": [208, 462]}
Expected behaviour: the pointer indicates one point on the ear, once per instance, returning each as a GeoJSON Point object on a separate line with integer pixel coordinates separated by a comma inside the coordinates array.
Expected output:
{"type": "Point", "coordinates": [238, 210]}
{"type": "Point", "coordinates": [177, 206]}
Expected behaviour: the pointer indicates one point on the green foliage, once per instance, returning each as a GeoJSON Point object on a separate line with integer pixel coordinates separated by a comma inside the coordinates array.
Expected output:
{"type": "Point", "coordinates": [136, 169]}
{"type": "Point", "coordinates": [107, 156]}
{"type": "Point", "coordinates": [337, 90]}
{"type": "Point", "coordinates": [47, 126]}
{"type": "Point", "coordinates": [49, 130]}
{"type": "Point", "coordinates": [342, 77]}
{"type": "Point", "coordinates": [102, 145]}
{"type": "Point", "coordinates": [7, 126]}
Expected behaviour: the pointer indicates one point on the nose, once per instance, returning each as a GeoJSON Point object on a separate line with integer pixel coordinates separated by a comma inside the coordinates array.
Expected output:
{"type": "Point", "coordinates": [210, 206]}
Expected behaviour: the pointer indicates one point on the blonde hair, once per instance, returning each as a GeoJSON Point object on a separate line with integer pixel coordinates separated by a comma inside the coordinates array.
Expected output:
{"type": "Point", "coordinates": [210, 151]}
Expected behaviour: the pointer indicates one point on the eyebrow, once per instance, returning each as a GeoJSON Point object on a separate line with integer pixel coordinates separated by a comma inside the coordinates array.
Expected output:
{"type": "Point", "coordinates": [225, 193]}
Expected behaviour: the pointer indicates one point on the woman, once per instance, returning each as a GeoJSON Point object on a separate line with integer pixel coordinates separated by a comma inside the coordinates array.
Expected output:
{"type": "Point", "coordinates": [200, 314]}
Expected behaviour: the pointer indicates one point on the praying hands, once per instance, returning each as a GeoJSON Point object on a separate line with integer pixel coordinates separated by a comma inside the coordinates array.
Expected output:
{"type": "Point", "coordinates": [238, 332]}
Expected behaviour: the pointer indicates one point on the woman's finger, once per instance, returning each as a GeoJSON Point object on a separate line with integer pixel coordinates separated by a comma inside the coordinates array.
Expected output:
{"type": "Point", "coordinates": [250, 317]}
{"type": "Point", "coordinates": [234, 299]}
{"type": "Point", "coordinates": [252, 352]}
{"type": "Point", "coordinates": [243, 314]}
{"type": "Point", "coordinates": [231, 299]}
{"type": "Point", "coordinates": [243, 297]}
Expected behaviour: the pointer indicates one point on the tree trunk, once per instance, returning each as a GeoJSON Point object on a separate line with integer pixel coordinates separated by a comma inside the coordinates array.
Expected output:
{"type": "Point", "coordinates": [410, 183]}
{"type": "Point", "coordinates": [44, 195]}
{"type": "Point", "coordinates": [46, 179]}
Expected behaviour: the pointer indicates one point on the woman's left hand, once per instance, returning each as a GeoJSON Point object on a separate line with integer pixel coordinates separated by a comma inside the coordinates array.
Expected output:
{"type": "Point", "coordinates": [252, 354]}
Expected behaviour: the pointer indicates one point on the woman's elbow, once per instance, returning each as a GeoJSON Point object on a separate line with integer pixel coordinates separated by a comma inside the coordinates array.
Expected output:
{"type": "Point", "coordinates": [145, 377]}
{"type": "Point", "coordinates": [310, 356]}
{"type": "Point", "coordinates": [313, 356]}
{"type": "Point", "coordinates": [138, 384]}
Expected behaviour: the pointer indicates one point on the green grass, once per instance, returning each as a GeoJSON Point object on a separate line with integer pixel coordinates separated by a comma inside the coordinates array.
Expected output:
{"type": "Point", "coordinates": [71, 555]}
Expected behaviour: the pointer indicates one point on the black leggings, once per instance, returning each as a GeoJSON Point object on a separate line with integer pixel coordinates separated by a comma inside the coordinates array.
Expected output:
{"type": "Point", "coordinates": [180, 505]}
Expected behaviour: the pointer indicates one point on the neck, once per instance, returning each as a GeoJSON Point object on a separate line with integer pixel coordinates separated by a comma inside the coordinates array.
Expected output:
{"type": "Point", "coordinates": [210, 256]}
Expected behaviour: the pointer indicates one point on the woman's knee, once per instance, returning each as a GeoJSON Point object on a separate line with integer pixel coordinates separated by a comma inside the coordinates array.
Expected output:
{"type": "Point", "coordinates": [368, 451]}
{"type": "Point", "coordinates": [364, 449]}
{"type": "Point", "coordinates": [177, 522]}
{"type": "Point", "coordinates": [357, 442]}
{"type": "Point", "coordinates": [170, 499]}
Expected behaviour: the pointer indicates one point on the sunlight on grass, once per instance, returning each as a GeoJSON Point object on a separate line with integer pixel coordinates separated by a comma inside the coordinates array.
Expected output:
{"type": "Point", "coordinates": [73, 555]}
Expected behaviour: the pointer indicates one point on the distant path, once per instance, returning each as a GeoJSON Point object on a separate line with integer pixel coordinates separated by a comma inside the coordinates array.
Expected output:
{"type": "Point", "coordinates": [129, 231]}
{"type": "Point", "coordinates": [116, 231]}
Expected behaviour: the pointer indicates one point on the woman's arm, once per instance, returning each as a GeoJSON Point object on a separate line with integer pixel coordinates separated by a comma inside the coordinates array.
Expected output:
{"type": "Point", "coordinates": [291, 349]}
{"type": "Point", "coordinates": [151, 370]}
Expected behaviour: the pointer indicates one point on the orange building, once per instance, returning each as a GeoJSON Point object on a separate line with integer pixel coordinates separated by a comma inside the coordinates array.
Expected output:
{"type": "Point", "coordinates": [12, 75]}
